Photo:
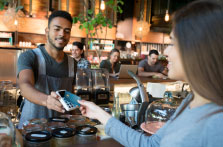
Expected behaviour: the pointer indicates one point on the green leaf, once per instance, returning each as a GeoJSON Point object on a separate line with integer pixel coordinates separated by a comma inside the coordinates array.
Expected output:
{"type": "Point", "coordinates": [110, 26]}
{"type": "Point", "coordinates": [85, 25]}
{"type": "Point", "coordinates": [75, 19]}
{"type": "Point", "coordinates": [104, 24]}
{"type": "Point", "coordinates": [91, 27]}
{"type": "Point", "coordinates": [121, 2]}
{"type": "Point", "coordinates": [90, 12]}
{"type": "Point", "coordinates": [86, 30]}
{"type": "Point", "coordinates": [81, 27]}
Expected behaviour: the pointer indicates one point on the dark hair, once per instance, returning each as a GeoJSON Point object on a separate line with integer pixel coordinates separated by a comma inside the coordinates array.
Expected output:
{"type": "Point", "coordinates": [80, 46]}
{"type": "Point", "coordinates": [153, 52]}
{"type": "Point", "coordinates": [199, 34]}
{"type": "Point", "coordinates": [63, 14]}
{"type": "Point", "coordinates": [113, 51]}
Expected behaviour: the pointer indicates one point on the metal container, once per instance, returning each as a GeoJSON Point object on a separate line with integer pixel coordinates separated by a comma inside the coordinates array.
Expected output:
{"type": "Point", "coordinates": [130, 112]}
{"type": "Point", "coordinates": [38, 139]}
{"type": "Point", "coordinates": [63, 137]}
{"type": "Point", "coordinates": [85, 134]}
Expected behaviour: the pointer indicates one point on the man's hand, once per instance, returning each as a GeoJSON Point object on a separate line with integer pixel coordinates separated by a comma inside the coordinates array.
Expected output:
{"type": "Point", "coordinates": [5, 140]}
{"type": "Point", "coordinates": [53, 102]}
{"type": "Point", "coordinates": [159, 75]}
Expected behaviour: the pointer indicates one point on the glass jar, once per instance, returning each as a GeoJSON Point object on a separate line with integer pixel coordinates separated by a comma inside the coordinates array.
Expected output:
{"type": "Point", "coordinates": [57, 122]}
{"type": "Point", "coordinates": [8, 95]}
{"type": "Point", "coordinates": [159, 112]}
{"type": "Point", "coordinates": [6, 126]}
{"type": "Point", "coordinates": [38, 139]}
{"type": "Point", "coordinates": [85, 134]}
{"type": "Point", "coordinates": [37, 124]}
{"type": "Point", "coordinates": [63, 137]}
{"type": "Point", "coordinates": [77, 120]}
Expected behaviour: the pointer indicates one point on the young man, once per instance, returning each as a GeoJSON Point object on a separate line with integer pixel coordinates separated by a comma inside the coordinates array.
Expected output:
{"type": "Point", "coordinates": [78, 54]}
{"type": "Point", "coordinates": [46, 69]}
{"type": "Point", "coordinates": [151, 67]}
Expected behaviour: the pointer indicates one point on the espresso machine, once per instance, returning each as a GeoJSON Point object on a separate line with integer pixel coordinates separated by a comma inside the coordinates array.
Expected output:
{"type": "Point", "coordinates": [101, 86]}
{"type": "Point", "coordinates": [83, 86]}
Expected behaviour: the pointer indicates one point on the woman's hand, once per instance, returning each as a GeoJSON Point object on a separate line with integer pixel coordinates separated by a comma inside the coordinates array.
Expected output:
{"type": "Point", "coordinates": [91, 110]}
{"type": "Point", "coordinates": [5, 140]}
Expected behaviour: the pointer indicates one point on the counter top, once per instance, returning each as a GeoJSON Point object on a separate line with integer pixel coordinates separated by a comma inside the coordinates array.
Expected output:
{"type": "Point", "coordinates": [103, 143]}
{"type": "Point", "coordinates": [143, 80]}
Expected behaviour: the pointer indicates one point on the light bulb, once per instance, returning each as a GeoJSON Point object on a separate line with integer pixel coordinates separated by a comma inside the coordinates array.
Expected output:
{"type": "Point", "coordinates": [140, 28]}
{"type": "Point", "coordinates": [16, 22]}
{"type": "Point", "coordinates": [102, 7]}
{"type": "Point", "coordinates": [167, 17]}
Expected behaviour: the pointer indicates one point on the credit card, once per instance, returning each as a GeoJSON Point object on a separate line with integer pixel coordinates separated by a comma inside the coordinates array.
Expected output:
{"type": "Point", "coordinates": [72, 98]}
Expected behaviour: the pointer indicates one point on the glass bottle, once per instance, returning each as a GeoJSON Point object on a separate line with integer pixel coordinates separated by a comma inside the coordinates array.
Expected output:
{"type": "Point", "coordinates": [116, 107]}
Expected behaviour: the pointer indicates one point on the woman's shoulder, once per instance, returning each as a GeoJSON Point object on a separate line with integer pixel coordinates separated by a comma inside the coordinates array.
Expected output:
{"type": "Point", "coordinates": [105, 62]}
{"type": "Point", "coordinates": [213, 129]}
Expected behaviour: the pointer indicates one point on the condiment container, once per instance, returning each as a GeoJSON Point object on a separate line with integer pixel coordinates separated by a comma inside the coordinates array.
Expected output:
{"type": "Point", "coordinates": [37, 124]}
{"type": "Point", "coordinates": [85, 134]}
{"type": "Point", "coordinates": [57, 122]}
{"type": "Point", "coordinates": [38, 139]}
{"type": "Point", "coordinates": [63, 137]}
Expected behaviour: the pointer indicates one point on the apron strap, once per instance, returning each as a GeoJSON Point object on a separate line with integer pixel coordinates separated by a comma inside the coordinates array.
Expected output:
{"type": "Point", "coordinates": [71, 66]}
{"type": "Point", "coordinates": [41, 62]}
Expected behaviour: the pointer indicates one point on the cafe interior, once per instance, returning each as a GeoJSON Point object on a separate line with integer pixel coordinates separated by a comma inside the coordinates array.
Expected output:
{"type": "Point", "coordinates": [134, 27]}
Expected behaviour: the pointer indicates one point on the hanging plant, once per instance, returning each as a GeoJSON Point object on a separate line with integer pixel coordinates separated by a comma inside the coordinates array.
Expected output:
{"type": "Point", "coordinates": [91, 23]}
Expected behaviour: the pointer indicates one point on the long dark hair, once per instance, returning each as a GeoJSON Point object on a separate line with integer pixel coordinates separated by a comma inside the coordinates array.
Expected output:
{"type": "Point", "coordinates": [198, 30]}
{"type": "Point", "coordinates": [80, 46]}
{"type": "Point", "coordinates": [113, 51]}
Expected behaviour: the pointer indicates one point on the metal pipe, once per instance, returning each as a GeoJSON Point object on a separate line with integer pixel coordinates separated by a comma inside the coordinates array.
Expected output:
{"type": "Point", "coordinates": [68, 5]}
{"type": "Point", "coordinates": [30, 7]}
{"type": "Point", "coordinates": [59, 4]}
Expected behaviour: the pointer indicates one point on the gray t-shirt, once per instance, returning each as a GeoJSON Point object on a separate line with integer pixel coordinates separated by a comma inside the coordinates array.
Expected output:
{"type": "Point", "coordinates": [192, 128]}
{"type": "Point", "coordinates": [28, 60]}
{"type": "Point", "coordinates": [158, 67]}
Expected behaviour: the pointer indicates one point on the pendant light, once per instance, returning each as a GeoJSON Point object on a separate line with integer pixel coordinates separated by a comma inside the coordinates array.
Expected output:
{"type": "Point", "coordinates": [167, 16]}
{"type": "Point", "coordinates": [102, 6]}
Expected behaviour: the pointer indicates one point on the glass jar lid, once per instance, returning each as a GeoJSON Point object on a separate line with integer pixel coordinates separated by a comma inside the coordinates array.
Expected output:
{"type": "Point", "coordinates": [38, 136]}
{"type": "Point", "coordinates": [59, 119]}
{"type": "Point", "coordinates": [63, 132]}
{"type": "Point", "coordinates": [86, 130]}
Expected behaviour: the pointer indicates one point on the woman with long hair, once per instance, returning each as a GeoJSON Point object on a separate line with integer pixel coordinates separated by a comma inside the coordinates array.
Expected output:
{"type": "Point", "coordinates": [195, 56]}
{"type": "Point", "coordinates": [112, 64]}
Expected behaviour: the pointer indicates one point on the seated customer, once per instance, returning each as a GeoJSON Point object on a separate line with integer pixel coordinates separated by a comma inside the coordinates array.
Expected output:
{"type": "Point", "coordinates": [112, 63]}
{"type": "Point", "coordinates": [78, 54]}
{"type": "Point", "coordinates": [151, 67]}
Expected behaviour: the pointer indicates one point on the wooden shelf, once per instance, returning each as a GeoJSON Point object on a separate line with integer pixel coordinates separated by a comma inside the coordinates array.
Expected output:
{"type": "Point", "coordinates": [17, 47]}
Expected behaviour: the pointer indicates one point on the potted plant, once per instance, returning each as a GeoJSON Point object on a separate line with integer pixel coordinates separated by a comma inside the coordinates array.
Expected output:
{"type": "Point", "coordinates": [91, 22]}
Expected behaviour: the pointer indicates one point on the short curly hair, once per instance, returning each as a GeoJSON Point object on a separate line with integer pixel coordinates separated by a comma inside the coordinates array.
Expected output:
{"type": "Point", "coordinates": [63, 14]}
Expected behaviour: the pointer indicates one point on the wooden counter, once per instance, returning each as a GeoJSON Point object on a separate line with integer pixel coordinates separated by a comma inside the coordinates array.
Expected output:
{"type": "Point", "coordinates": [143, 80]}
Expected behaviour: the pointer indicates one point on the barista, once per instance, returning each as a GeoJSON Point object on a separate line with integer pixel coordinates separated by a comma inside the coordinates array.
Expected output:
{"type": "Point", "coordinates": [78, 54]}
{"type": "Point", "coordinates": [112, 64]}
{"type": "Point", "coordinates": [46, 69]}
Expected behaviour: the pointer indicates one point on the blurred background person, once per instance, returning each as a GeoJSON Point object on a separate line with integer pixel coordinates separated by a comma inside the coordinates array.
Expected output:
{"type": "Point", "coordinates": [112, 64]}
{"type": "Point", "coordinates": [78, 54]}
{"type": "Point", "coordinates": [150, 67]}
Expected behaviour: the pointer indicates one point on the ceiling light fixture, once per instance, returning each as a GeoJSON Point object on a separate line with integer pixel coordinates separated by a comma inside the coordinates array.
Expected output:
{"type": "Point", "coordinates": [167, 16]}
{"type": "Point", "coordinates": [102, 6]}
